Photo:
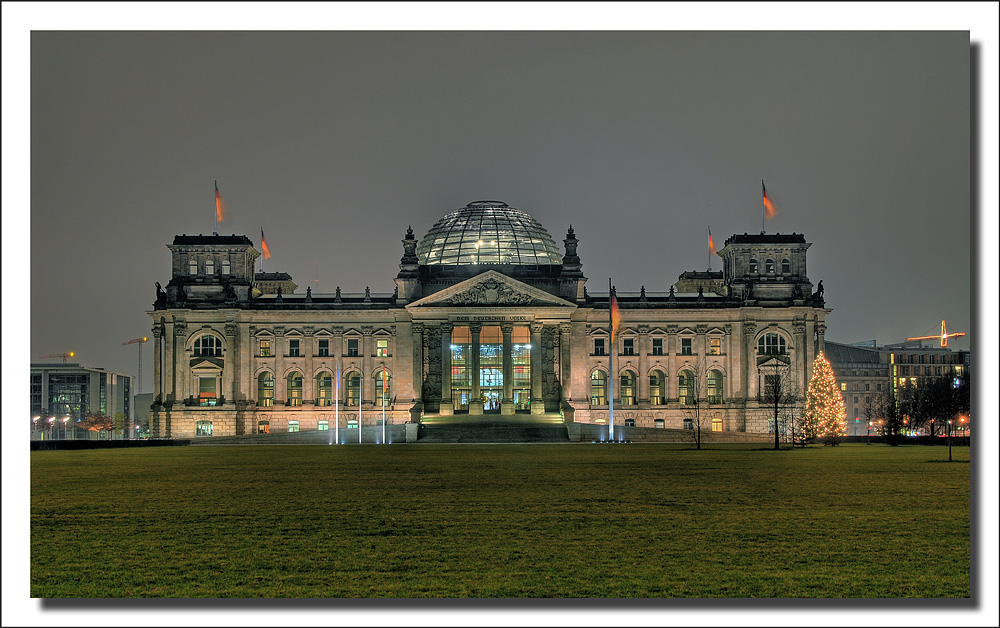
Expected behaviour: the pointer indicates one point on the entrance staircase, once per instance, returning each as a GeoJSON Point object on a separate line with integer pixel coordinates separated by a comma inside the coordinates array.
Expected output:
{"type": "Point", "coordinates": [493, 429]}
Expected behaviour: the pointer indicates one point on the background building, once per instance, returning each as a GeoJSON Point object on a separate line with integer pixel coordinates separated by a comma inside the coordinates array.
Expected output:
{"type": "Point", "coordinates": [487, 318]}
{"type": "Point", "coordinates": [71, 391]}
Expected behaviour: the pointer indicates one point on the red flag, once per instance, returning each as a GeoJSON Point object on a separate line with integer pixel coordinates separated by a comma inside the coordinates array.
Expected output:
{"type": "Point", "coordinates": [769, 209]}
{"type": "Point", "coordinates": [711, 243]}
{"type": "Point", "coordinates": [220, 205]}
{"type": "Point", "coordinates": [263, 245]}
{"type": "Point", "coordinates": [616, 316]}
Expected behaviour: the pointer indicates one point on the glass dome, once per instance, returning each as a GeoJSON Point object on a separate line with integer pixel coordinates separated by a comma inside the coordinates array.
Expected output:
{"type": "Point", "coordinates": [488, 232]}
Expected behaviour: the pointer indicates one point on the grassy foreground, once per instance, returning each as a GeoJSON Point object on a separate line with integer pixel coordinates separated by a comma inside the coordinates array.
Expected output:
{"type": "Point", "coordinates": [604, 521]}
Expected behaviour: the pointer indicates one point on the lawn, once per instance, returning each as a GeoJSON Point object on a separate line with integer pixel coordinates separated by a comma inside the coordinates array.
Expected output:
{"type": "Point", "coordinates": [486, 521]}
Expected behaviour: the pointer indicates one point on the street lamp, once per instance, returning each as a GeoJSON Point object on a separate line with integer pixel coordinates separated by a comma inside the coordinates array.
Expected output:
{"type": "Point", "coordinates": [949, 440]}
{"type": "Point", "coordinates": [52, 420]}
{"type": "Point", "coordinates": [34, 425]}
{"type": "Point", "coordinates": [868, 437]}
{"type": "Point", "coordinates": [65, 419]}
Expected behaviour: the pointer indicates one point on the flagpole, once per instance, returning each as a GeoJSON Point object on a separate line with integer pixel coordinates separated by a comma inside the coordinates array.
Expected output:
{"type": "Point", "coordinates": [710, 251]}
{"type": "Point", "coordinates": [763, 209]}
{"type": "Point", "coordinates": [361, 386]}
{"type": "Point", "coordinates": [336, 408]}
{"type": "Point", "coordinates": [611, 366]}
{"type": "Point", "coordinates": [216, 229]}
{"type": "Point", "coordinates": [383, 403]}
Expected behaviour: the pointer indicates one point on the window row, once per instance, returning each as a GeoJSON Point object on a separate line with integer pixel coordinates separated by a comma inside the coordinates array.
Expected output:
{"type": "Point", "coordinates": [225, 268]}
{"type": "Point", "coordinates": [629, 346]}
{"type": "Point", "coordinates": [687, 388]}
{"type": "Point", "coordinates": [266, 346]}
{"type": "Point", "coordinates": [786, 266]}
{"type": "Point", "coordinates": [326, 395]}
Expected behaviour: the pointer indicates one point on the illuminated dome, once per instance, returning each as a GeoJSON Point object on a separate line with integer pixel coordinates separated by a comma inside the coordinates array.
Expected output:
{"type": "Point", "coordinates": [488, 232]}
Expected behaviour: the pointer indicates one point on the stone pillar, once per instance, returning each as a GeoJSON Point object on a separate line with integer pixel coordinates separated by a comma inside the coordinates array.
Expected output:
{"type": "Point", "coordinates": [475, 403]}
{"type": "Point", "coordinates": [180, 370]}
{"type": "Point", "coordinates": [447, 403]}
{"type": "Point", "coordinates": [537, 403]}
{"type": "Point", "coordinates": [228, 387]}
{"type": "Point", "coordinates": [670, 390]}
{"type": "Point", "coordinates": [280, 350]}
{"type": "Point", "coordinates": [750, 374]}
{"type": "Point", "coordinates": [701, 348]}
{"type": "Point", "coordinates": [644, 349]}
{"type": "Point", "coordinates": [417, 367]}
{"type": "Point", "coordinates": [157, 364]}
{"type": "Point", "coordinates": [507, 403]}
{"type": "Point", "coordinates": [367, 349]}
{"type": "Point", "coordinates": [308, 379]}
{"type": "Point", "coordinates": [566, 375]}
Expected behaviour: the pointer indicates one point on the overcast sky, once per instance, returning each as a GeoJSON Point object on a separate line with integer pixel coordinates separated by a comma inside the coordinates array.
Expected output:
{"type": "Point", "coordinates": [334, 142]}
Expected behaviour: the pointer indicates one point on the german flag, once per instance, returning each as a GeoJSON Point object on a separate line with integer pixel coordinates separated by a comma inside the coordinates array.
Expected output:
{"type": "Point", "coordinates": [220, 205]}
{"type": "Point", "coordinates": [769, 210]}
{"type": "Point", "coordinates": [263, 245]}
{"type": "Point", "coordinates": [616, 316]}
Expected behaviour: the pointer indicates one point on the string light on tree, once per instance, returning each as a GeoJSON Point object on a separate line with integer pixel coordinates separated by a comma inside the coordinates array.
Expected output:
{"type": "Point", "coordinates": [826, 415]}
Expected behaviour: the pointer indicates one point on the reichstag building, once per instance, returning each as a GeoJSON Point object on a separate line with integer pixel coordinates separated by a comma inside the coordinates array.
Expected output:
{"type": "Point", "coordinates": [488, 317]}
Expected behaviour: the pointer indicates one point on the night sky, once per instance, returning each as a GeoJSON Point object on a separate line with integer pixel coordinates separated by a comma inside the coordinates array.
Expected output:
{"type": "Point", "coordinates": [335, 141]}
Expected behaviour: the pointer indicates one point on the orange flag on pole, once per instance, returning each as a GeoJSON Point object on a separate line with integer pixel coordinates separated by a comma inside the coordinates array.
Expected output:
{"type": "Point", "coordinates": [263, 245]}
{"type": "Point", "coordinates": [616, 316]}
{"type": "Point", "coordinates": [220, 205]}
{"type": "Point", "coordinates": [769, 210]}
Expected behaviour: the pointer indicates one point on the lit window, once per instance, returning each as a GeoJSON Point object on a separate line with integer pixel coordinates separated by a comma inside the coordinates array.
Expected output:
{"type": "Point", "coordinates": [628, 346]}
{"type": "Point", "coordinates": [295, 389]}
{"type": "Point", "coordinates": [293, 348]}
{"type": "Point", "coordinates": [206, 391]}
{"type": "Point", "coordinates": [192, 266]}
{"type": "Point", "coordinates": [598, 346]}
{"type": "Point", "coordinates": [717, 424]}
{"type": "Point", "coordinates": [598, 388]}
{"type": "Point", "coordinates": [656, 388]}
{"type": "Point", "coordinates": [843, 387]}
{"type": "Point", "coordinates": [353, 389]}
{"type": "Point", "coordinates": [324, 389]}
{"type": "Point", "coordinates": [382, 347]}
{"type": "Point", "coordinates": [383, 388]}
{"type": "Point", "coordinates": [225, 267]}
{"type": "Point", "coordinates": [323, 426]}
{"type": "Point", "coordinates": [715, 386]}
{"type": "Point", "coordinates": [628, 388]}
{"type": "Point", "coordinates": [658, 424]}
{"type": "Point", "coordinates": [265, 389]}
{"type": "Point", "coordinates": [771, 344]}
{"type": "Point", "coordinates": [210, 266]}
{"type": "Point", "coordinates": [265, 348]}
{"type": "Point", "coordinates": [715, 346]}
{"type": "Point", "coordinates": [293, 426]}
{"type": "Point", "coordinates": [203, 428]}
{"type": "Point", "coordinates": [685, 346]}
{"type": "Point", "coordinates": [657, 346]}
{"type": "Point", "coordinates": [685, 388]}
{"type": "Point", "coordinates": [324, 348]}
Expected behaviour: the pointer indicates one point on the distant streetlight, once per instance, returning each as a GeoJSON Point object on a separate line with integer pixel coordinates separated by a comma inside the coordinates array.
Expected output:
{"type": "Point", "coordinates": [65, 420]}
{"type": "Point", "coordinates": [949, 440]}
{"type": "Point", "coordinates": [52, 420]}
{"type": "Point", "coordinates": [868, 437]}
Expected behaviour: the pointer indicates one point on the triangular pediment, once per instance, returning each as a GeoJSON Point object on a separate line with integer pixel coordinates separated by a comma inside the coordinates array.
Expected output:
{"type": "Point", "coordinates": [490, 289]}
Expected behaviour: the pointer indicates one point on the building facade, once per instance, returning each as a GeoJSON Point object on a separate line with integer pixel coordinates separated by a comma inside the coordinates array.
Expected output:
{"type": "Point", "coordinates": [487, 317]}
{"type": "Point", "coordinates": [62, 394]}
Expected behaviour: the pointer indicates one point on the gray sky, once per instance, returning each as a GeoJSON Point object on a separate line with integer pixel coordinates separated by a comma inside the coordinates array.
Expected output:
{"type": "Point", "coordinates": [335, 142]}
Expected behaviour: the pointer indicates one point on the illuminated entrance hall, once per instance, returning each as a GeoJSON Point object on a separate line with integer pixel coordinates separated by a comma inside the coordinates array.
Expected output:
{"type": "Point", "coordinates": [503, 385]}
{"type": "Point", "coordinates": [486, 321]}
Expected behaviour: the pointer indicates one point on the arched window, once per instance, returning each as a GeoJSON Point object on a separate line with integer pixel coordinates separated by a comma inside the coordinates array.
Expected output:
{"type": "Point", "coordinates": [598, 388]}
{"type": "Point", "coordinates": [265, 389]}
{"type": "Point", "coordinates": [715, 386]}
{"type": "Point", "coordinates": [656, 388]}
{"type": "Point", "coordinates": [753, 265]}
{"type": "Point", "coordinates": [192, 266]}
{"type": "Point", "coordinates": [685, 388]}
{"type": "Point", "coordinates": [769, 266]}
{"type": "Point", "coordinates": [226, 269]}
{"type": "Point", "coordinates": [210, 266]}
{"type": "Point", "coordinates": [295, 388]}
{"type": "Point", "coordinates": [324, 389]}
{"type": "Point", "coordinates": [207, 345]}
{"type": "Point", "coordinates": [353, 388]}
{"type": "Point", "coordinates": [771, 344]}
{"type": "Point", "coordinates": [786, 267]}
{"type": "Point", "coordinates": [627, 394]}
{"type": "Point", "coordinates": [383, 395]}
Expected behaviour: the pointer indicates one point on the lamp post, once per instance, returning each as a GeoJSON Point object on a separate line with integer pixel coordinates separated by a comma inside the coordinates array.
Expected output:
{"type": "Point", "coordinates": [65, 421]}
{"type": "Point", "coordinates": [52, 421]}
{"type": "Point", "coordinates": [949, 440]}
{"type": "Point", "coordinates": [34, 425]}
{"type": "Point", "coordinates": [868, 437]}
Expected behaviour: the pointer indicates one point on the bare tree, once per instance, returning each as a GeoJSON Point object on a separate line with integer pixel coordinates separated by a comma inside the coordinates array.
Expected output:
{"type": "Point", "coordinates": [778, 393]}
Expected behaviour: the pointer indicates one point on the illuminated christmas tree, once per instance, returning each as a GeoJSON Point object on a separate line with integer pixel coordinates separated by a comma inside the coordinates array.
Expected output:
{"type": "Point", "coordinates": [825, 415]}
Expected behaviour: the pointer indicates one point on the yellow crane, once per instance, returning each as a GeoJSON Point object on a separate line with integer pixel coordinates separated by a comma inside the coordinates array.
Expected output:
{"type": "Point", "coordinates": [944, 336]}
{"type": "Point", "coordinates": [64, 356]}
{"type": "Point", "coordinates": [139, 342]}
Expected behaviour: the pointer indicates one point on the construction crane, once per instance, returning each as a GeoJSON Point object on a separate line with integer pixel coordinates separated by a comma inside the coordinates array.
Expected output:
{"type": "Point", "coordinates": [64, 356]}
{"type": "Point", "coordinates": [138, 341]}
{"type": "Point", "coordinates": [944, 336]}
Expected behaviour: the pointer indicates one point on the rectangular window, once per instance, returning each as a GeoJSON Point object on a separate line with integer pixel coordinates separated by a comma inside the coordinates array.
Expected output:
{"type": "Point", "coordinates": [937, 370]}
{"type": "Point", "coordinates": [293, 426]}
{"type": "Point", "coordinates": [715, 346]}
{"type": "Point", "coordinates": [855, 400]}
{"type": "Point", "coordinates": [265, 348]}
{"type": "Point", "coordinates": [843, 386]}
{"type": "Point", "coordinates": [878, 387]}
{"type": "Point", "coordinates": [206, 391]}
{"type": "Point", "coordinates": [352, 347]}
{"type": "Point", "coordinates": [598, 346]}
{"type": "Point", "coordinates": [293, 348]}
{"type": "Point", "coordinates": [628, 346]}
{"type": "Point", "coordinates": [629, 422]}
{"type": "Point", "coordinates": [203, 428]}
{"type": "Point", "coordinates": [323, 426]}
{"type": "Point", "coordinates": [868, 387]}
{"type": "Point", "coordinates": [657, 346]}
{"type": "Point", "coordinates": [382, 347]}
{"type": "Point", "coordinates": [906, 370]}
{"type": "Point", "coordinates": [324, 348]}
{"type": "Point", "coordinates": [658, 424]}
{"type": "Point", "coordinates": [686, 346]}
{"type": "Point", "coordinates": [717, 424]}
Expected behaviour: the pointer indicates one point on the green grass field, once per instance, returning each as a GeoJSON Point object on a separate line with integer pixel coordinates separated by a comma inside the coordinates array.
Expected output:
{"type": "Point", "coordinates": [605, 521]}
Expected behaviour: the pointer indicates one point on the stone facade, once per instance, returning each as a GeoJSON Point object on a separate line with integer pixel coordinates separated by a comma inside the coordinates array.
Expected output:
{"type": "Point", "coordinates": [478, 338]}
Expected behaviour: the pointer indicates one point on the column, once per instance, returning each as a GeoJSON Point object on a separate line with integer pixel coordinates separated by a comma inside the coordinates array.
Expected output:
{"type": "Point", "coordinates": [280, 350]}
{"type": "Point", "coordinates": [507, 403]}
{"type": "Point", "coordinates": [447, 403]}
{"type": "Point", "coordinates": [228, 383]}
{"type": "Point", "coordinates": [417, 366]}
{"type": "Point", "coordinates": [537, 403]}
{"type": "Point", "coordinates": [701, 347]}
{"type": "Point", "coordinates": [565, 360]}
{"type": "Point", "coordinates": [644, 349]}
{"type": "Point", "coordinates": [308, 381]}
{"type": "Point", "coordinates": [475, 404]}
{"type": "Point", "coordinates": [182, 372]}
{"type": "Point", "coordinates": [670, 377]}
{"type": "Point", "coordinates": [157, 365]}
{"type": "Point", "coordinates": [367, 349]}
